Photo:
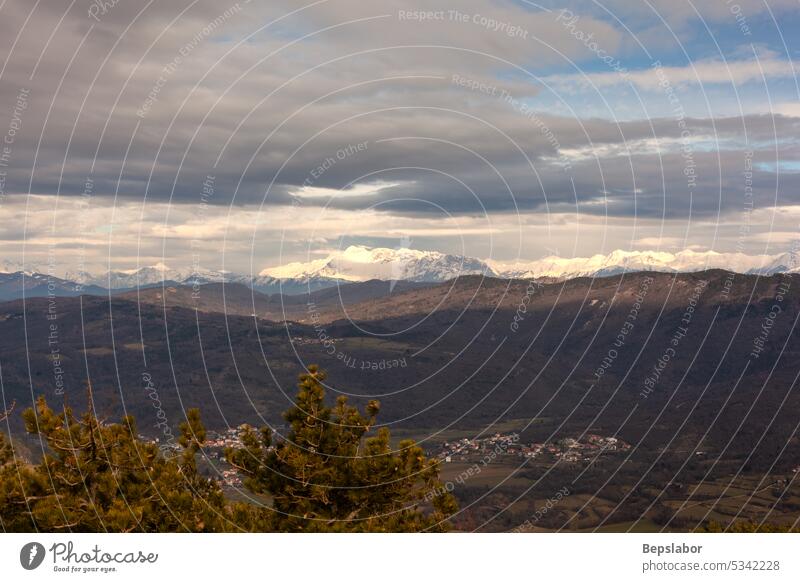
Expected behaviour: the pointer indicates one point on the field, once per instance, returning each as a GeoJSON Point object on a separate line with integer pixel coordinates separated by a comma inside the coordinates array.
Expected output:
{"type": "Point", "coordinates": [511, 494]}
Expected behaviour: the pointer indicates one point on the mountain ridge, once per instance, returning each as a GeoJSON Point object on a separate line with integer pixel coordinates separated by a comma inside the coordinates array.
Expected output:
{"type": "Point", "coordinates": [359, 263]}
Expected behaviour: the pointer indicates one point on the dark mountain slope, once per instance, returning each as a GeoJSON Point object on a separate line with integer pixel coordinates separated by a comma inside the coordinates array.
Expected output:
{"type": "Point", "coordinates": [693, 366]}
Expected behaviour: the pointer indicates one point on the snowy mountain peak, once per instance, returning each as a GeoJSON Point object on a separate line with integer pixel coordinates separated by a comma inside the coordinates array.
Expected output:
{"type": "Point", "coordinates": [620, 261]}
{"type": "Point", "coordinates": [362, 254]}
{"type": "Point", "coordinates": [154, 275]}
{"type": "Point", "coordinates": [360, 263]}
{"type": "Point", "coordinates": [158, 267]}
{"type": "Point", "coordinates": [8, 266]}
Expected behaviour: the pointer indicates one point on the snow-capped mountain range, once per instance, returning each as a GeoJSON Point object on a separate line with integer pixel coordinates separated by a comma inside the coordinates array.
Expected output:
{"type": "Point", "coordinates": [155, 275]}
{"type": "Point", "coordinates": [626, 261]}
{"type": "Point", "coordinates": [353, 264]}
{"type": "Point", "coordinates": [360, 263]}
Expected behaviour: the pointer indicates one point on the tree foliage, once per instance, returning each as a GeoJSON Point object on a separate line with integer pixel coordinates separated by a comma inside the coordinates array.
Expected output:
{"type": "Point", "coordinates": [97, 477]}
{"type": "Point", "coordinates": [327, 475]}
{"type": "Point", "coordinates": [746, 526]}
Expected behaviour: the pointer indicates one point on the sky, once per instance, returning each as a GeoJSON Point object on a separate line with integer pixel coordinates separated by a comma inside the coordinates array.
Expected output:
{"type": "Point", "coordinates": [246, 135]}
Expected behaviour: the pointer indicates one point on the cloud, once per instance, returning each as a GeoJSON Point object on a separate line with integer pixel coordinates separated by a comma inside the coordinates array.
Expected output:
{"type": "Point", "coordinates": [676, 14]}
{"type": "Point", "coordinates": [700, 72]}
{"type": "Point", "coordinates": [240, 106]}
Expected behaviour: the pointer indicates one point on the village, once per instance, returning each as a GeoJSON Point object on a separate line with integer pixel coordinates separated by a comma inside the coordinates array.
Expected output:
{"type": "Point", "coordinates": [215, 446]}
{"type": "Point", "coordinates": [570, 450]}
{"type": "Point", "coordinates": [214, 450]}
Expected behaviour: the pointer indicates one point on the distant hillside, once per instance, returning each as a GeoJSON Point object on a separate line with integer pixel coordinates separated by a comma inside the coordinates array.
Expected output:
{"type": "Point", "coordinates": [19, 283]}
{"type": "Point", "coordinates": [237, 299]}
{"type": "Point", "coordinates": [459, 354]}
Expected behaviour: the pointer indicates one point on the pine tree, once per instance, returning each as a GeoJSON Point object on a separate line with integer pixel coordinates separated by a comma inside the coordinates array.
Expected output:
{"type": "Point", "coordinates": [13, 508]}
{"type": "Point", "coordinates": [97, 477]}
{"type": "Point", "coordinates": [327, 475]}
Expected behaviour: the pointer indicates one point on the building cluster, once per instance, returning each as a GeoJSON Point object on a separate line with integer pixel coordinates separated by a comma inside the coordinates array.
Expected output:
{"type": "Point", "coordinates": [506, 443]}
{"type": "Point", "coordinates": [215, 446]}
{"type": "Point", "coordinates": [229, 439]}
{"type": "Point", "coordinates": [231, 477]}
{"type": "Point", "coordinates": [570, 450]}
{"type": "Point", "coordinates": [585, 449]}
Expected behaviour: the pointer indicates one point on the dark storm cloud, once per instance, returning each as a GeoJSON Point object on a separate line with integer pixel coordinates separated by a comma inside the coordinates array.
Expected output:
{"type": "Point", "coordinates": [151, 100]}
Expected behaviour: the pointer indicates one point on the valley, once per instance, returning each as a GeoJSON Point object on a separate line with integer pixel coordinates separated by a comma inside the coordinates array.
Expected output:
{"type": "Point", "coordinates": [675, 365]}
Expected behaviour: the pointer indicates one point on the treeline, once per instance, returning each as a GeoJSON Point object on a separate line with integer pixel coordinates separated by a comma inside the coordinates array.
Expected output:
{"type": "Point", "coordinates": [328, 474]}
{"type": "Point", "coordinates": [743, 526]}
